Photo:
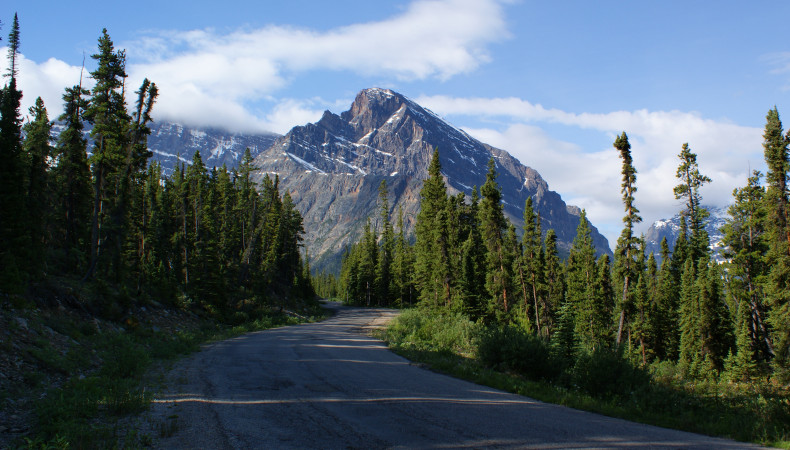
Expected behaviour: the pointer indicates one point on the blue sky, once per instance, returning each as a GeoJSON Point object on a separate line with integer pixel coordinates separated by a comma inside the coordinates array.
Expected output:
{"type": "Point", "coordinates": [551, 82]}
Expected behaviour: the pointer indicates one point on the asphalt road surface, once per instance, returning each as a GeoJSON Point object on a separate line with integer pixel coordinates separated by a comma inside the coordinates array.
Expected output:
{"type": "Point", "coordinates": [328, 385]}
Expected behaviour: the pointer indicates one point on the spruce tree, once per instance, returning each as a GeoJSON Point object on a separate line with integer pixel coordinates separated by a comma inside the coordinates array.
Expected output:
{"type": "Point", "coordinates": [384, 283]}
{"type": "Point", "coordinates": [714, 319]}
{"type": "Point", "coordinates": [530, 267]}
{"type": "Point", "coordinates": [742, 366]}
{"type": "Point", "coordinates": [499, 258]}
{"type": "Point", "coordinates": [402, 265]}
{"type": "Point", "coordinates": [667, 337]}
{"type": "Point", "coordinates": [777, 201]}
{"type": "Point", "coordinates": [691, 180]}
{"type": "Point", "coordinates": [626, 267]}
{"type": "Point", "coordinates": [37, 150]}
{"type": "Point", "coordinates": [554, 278]}
{"type": "Point", "coordinates": [12, 191]}
{"type": "Point", "coordinates": [690, 341]}
{"type": "Point", "coordinates": [581, 279]}
{"type": "Point", "coordinates": [746, 243]}
{"type": "Point", "coordinates": [650, 311]}
{"type": "Point", "coordinates": [472, 280]}
{"type": "Point", "coordinates": [71, 178]}
{"type": "Point", "coordinates": [602, 306]}
{"type": "Point", "coordinates": [107, 113]}
{"type": "Point", "coordinates": [431, 237]}
{"type": "Point", "coordinates": [367, 265]}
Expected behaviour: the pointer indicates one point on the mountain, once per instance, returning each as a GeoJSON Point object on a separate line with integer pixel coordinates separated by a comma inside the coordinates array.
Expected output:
{"type": "Point", "coordinates": [670, 229]}
{"type": "Point", "coordinates": [171, 142]}
{"type": "Point", "coordinates": [333, 168]}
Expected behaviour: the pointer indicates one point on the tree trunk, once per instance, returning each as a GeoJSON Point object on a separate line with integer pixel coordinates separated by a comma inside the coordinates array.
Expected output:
{"type": "Point", "coordinates": [622, 312]}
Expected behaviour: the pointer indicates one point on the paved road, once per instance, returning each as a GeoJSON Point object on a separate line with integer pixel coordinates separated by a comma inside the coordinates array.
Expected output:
{"type": "Point", "coordinates": [328, 385]}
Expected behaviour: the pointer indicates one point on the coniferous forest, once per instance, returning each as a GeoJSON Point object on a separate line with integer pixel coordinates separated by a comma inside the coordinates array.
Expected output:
{"type": "Point", "coordinates": [710, 319]}
{"type": "Point", "coordinates": [703, 345]}
{"type": "Point", "coordinates": [95, 213]}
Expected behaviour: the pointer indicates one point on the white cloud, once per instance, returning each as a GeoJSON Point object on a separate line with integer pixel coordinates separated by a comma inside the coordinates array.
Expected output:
{"type": "Point", "coordinates": [200, 68]}
{"type": "Point", "coordinates": [210, 78]}
{"type": "Point", "coordinates": [46, 80]}
{"type": "Point", "coordinates": [291, 112]}
{"type": "Point", "coordinates": [590, 177]}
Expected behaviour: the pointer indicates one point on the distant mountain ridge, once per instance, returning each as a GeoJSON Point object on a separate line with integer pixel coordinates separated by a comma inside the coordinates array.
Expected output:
{"type": "Point", "coordinates": [173, 143]}
{"type": "Point", "coordinates": [670, 229]}
{"type": "Point", "coordinates": [332, 169]}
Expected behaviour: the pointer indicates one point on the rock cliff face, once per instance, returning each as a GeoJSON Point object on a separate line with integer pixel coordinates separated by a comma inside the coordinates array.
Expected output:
{"type": "Point", "coordinates": [333, 168]}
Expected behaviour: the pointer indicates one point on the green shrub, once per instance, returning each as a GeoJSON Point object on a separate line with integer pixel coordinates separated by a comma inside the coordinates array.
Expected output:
{"type": "Point", "coordinates": [124, 358]}
{"type": "Point", "coordinates": [512, 348]}
{"type": "Point", "coordinates": [604, 372]}
{"type": "Point", "coordinates": [419, 329]}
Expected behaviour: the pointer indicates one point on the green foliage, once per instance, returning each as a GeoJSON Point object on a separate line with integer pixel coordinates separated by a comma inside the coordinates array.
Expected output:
{"type": "Point", "coordinates": [123, 358]}
{"type": "Point", "coordinates": [37, 150]}
{"type": "Point", "coordinates": [628, 259]}
{"type": "Point", "coordinates": [602, 381]}
{"type": "Point", "coordinates": [777, 200]}
{"type": "Point", "coordinates": [691, 180]}
{"type": "Point", "coordinates": [499, 254]}
{"type": "Point", "coordinates": [510, 348]}
{"type": "Point", "coordinates": [416, 328]}
{"type": "Point", "coordinates": [431, 264]}
{"type": "Point", "coordinates": [588, 291]}
{"type": "Point", "coordinates": [529, 273]}
{"type": "Point", "coordinates": [12, 192]}
{"type": "Point", "coordinates": [604, 372]}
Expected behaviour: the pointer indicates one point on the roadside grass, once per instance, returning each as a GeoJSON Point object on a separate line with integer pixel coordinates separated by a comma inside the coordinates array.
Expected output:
{"type": "Point", "coordinates": [749, 412]}
{"type": "Point", "coordinates": [109, 378]}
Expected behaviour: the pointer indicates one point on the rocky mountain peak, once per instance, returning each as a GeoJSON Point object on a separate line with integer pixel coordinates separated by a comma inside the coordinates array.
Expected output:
{"type": "Point", "coordinates": [372, 108]}
{"type": "Point", "coordinates": [333, 168]}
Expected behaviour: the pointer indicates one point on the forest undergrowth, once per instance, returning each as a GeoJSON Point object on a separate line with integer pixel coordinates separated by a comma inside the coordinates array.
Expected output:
{"type": "Point", "coordinates": [600, 381]}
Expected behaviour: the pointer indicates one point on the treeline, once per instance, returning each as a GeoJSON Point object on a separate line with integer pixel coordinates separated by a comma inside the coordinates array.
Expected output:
{"type": "Point", "coordinates": [103, 217]}
{"type": "Point", "coordinates": [707, 319]}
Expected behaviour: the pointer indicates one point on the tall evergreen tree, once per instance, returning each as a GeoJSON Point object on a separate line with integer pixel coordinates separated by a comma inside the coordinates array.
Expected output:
{"type": "Point", "coordinates": [667, 307]}
{"type": "Point", "coordinates": [589, 314]}
{"type": "Point", "coordinates": [746, 245]}
{"type": "Point", "coordinates": [554, 281]}
{"type": "Point", "coordinates": [37, 149]}
{"type": "Point", "coordinates": [691, 180]}
{"type": "Point", "coordinates": [71, 178]}
{"type": "Point", "coordinates": [431, 253]}
{"type": "Point", "coordinates": [714, 319]}
{"type": "Point", "coordinates": [107, 113]}
{"type": "Point", "coordinates": [777, 201]}
{"type": "Point", "coordinates": [402, 265]}
{"type": "Point", "coordinates": [530, 268]}
{"type": "Point", "coordinates": [690, 333]}
{"type": "Point", "coordinates": [12, 193]}
{"type": "Point", "coordinates": [626, 267]}
{"type": "Point", "coordinates": [367, 267]}
{"type": "Point", "coordinates": [387, 247]}
{"type": "Point", "coordinates": [499, 258]}
{"type": "Point", "coordinates": [472, 280]}
{"type": "Point", "coordinates": [119, 155]}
